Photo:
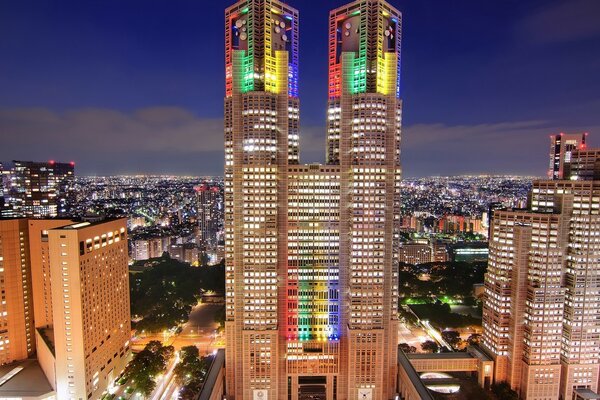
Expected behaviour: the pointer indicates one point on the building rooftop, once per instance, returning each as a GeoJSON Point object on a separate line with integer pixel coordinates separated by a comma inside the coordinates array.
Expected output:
{"type": "Point", "coordinates": [453, 355]}
{"type": "Point", "coordinates": [87, 224]}
{"type": "Point", "coordinates": [586, 394]}
{"type": "Point", "coordinates": [23, 380]}
{"type": "Point", "coordinates": [213, 375]}
{"type": "Point", "coordinates": [415, 379]}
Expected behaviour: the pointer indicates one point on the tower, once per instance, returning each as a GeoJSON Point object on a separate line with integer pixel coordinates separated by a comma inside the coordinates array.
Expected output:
{"type": "Point", "coordinates": [541, 308]}
{"type": "Point", "coordinates": [561, 147]}
{"type": "Point", "coordinates": [363, 138]}
{"type": "Point", "coordinates": [89, 345]}
{"type": "Point", "coordinates": [261, 140]}
{"type": "Point", "coordinates": [311, 277]}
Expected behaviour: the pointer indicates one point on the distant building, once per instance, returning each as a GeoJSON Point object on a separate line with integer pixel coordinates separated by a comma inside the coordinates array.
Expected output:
{"type": "Point", "coordinates": [208, 202]}
{"type": "Point", "coordinates": [460, 224]}
{"type": "Point", "coordinates": [36, 189]}
{"type": "Point", "coordinates": [152, 247]}
{"type": "Point", "coordinates": [422, 252]}
{"type": "Point", "coordinates": [440, 252]}
{"type": "Point", "coordinates": [561, 147]}
{"type": "Point", "coordinates": [469, 252]}
{"type": "Point", "coordinates": [188, 252]}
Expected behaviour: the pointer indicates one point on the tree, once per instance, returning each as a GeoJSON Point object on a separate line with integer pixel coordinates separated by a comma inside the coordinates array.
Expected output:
{"type": "Point", "coordinates": [452, 337]}
{"type": "Point", "coordinates": [406, 348]}
{"type": "Point", "coordinates": [146, 365]}
{"type": "Point", "coordinates": [430, 346]}
{"type": "Point", "coordinates": [503, 391]}
{"type": "Point", "coordinates": [474, 339]}
{"type": "Point", "coordinates": [190, 372]}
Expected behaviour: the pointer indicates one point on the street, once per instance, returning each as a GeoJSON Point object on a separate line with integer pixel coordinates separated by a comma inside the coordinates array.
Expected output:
{"type": "Point", "coordinates": [199, 331]}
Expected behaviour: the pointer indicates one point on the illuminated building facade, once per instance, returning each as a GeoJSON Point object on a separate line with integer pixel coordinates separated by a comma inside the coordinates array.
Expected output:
{"type": "Point", "coordinates": [36, 189]}
{"type": "Point", "coordinates": [311, 276]}
{"type": "Point", "coordinates": [541, 314]}
{"type": "Point", "coordinates": [561, 147]}
{"type": "Point", "coordinates": [17, 337]}
{"type": "Point", "coordinates": [90, 301]}
{"type": "Point", "coordinates": [65, 298]}
{"type": "Point", "coordinates": [208, 201]}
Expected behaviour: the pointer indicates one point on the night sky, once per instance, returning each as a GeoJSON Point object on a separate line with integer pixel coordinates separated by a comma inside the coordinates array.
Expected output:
{"type": "Point", "coordinates": [132, 86]}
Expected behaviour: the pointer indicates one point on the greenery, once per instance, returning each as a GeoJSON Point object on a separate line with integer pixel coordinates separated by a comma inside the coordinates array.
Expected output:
{"type": "Point", "coordinates": [406, 348]}
{"type": "Point", "coordinates": [474, 339]}
{"type": "Point", "coordinates": [450, 279]}
{"type": "Point", "coordinates": [163, 295]}
{"type": "Point", "coordinates": [503, 391]}
{"type": "Point", "coordinates": [452, 337]}
{"type": "Point", "coordinates": [142, 371]}
{"type": "Point", "coordinates": [190, 372]}
{"type": "Point", "coordinates": [441, 317]}
{"type": "Point", "coordinates": [430, 346]}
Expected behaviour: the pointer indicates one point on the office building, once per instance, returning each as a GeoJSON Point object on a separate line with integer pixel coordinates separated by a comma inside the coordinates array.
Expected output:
{"type": "Point", "coordinates": [415, 253]}
{"type": "Point", "coordinates": [36, 189]}
{"type": "Point", "coordinates": [541, 314]}
{"type": "Point", "coordinates": [311, 276]}
{"type": "Point", "coordinates": [561, 147]}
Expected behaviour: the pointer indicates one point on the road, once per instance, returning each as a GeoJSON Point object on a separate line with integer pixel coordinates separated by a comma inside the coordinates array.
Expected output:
{"type": "Point", "coordinates": [199, 331]}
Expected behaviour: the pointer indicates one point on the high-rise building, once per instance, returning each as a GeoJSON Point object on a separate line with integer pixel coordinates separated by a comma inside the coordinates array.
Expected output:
{"type": "Point", "coordinates": [208, 202]}
{"type": "Point", "coordinates": [36, 189]}
{"type": "Point", "coordinates": [561, 147]}
{"type": "Point", "coordinates": [311, 276]}
{"type": "Point", "coordinates": [65, 298]}
{"type": "Point", "coordinates": [541, 314]}
{"type": "Point", "coordinates": [87, 346]}
{"type": "Point", "coordinates": [17, 337]}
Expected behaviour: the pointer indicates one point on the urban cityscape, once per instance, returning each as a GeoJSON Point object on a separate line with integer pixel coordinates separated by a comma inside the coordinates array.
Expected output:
{"type": "Point", "coordinates": [275, 278]}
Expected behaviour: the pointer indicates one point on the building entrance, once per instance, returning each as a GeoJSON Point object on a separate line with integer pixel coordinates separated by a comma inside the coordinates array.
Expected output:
{"type": "Point", "coordinates": [312, 388]}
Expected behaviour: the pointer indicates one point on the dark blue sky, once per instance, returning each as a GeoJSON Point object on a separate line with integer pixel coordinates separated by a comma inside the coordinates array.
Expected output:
{"type": "Point", "coordinates": [137, 86]}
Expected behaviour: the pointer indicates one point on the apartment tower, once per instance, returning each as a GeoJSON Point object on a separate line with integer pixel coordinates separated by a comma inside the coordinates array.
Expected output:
{"type": "Point", "coordinates": [541, 315]}
{"type": "Point", "coordinates": [311, 276]}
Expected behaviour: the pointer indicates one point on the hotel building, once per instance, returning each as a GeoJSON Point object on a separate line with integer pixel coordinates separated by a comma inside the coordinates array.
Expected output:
{"type": "Point", "coordinates": [65, 296]}
{"type": "Point", "coordinates": [311, 275]}
{"type": "Point", "coordinates": [90, 301]}
{"type": "Point", "coordinates": [541, 314]}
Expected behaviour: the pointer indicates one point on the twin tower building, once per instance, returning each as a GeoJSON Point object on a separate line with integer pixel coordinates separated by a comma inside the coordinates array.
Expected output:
{"type": "Point", "coordinates": [311, 269]}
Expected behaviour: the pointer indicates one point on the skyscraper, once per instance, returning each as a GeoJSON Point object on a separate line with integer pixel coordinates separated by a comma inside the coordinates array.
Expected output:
{"type": "Point", "coordinates": [17, 337]}
{"type": "Point", "coordinates": [561, 147]}
{"type": "Point", "coordinates": [36, 189]}
{"type": "Point", "coordinates": [310, 267]}
{"type": "Point", "coordinates": [541, 314]}
{"type": "Point", "coordinates": [208, 213]}
{"type": "Point", "coordinates": [88, 345]}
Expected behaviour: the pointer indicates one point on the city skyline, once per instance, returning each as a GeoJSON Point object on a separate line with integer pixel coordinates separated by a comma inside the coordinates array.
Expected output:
{"type": "Point", "coordinates": [119, 88]}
